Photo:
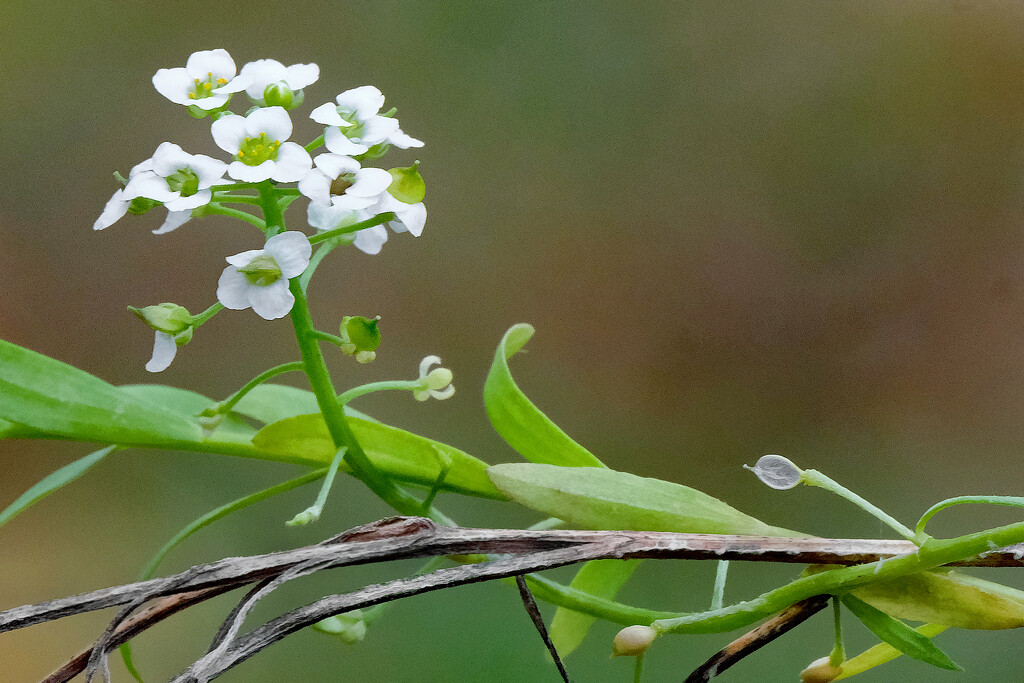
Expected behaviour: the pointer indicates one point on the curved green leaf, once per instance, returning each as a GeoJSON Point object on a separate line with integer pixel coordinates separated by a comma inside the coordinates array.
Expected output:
{"type": "Point", "coordinates": [596, 498]}
{"type": "Point", "coordinates": [899, 635]}
{"type": "Point", "coordinates": [50, 483]}
{"type": "Point", "coordinates": [600, 578]}
{"type": "Point", "coordinates": [518, 420]}
{"type": "Point", "coordinates": [188, 404]}
{"type": "Point", "coordinates": [882, 653]}
{"type": "Point", "coordinates": [59, 400]}
{"type": "Point", "coordinates": [401, 454]}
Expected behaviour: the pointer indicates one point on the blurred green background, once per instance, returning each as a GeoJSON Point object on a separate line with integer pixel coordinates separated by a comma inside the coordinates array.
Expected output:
{"type": "Point", "coordinates": [738, 228]}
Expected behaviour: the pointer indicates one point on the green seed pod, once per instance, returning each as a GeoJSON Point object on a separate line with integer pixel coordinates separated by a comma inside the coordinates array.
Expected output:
{"type": "Point", "coordinates": [169, 318]}
{"type": "Point", "coordinates": [407, 184]}
{"type": "Point", "coordinates": [361, 337]}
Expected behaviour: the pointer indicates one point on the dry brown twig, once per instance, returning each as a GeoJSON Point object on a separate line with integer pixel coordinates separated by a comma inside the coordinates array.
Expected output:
{"type": "Point", "coordinates": [521, 552]}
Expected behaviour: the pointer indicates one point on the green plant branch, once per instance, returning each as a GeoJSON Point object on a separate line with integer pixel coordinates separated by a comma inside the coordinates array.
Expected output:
{"type": "Point", "coordinates": [355, 227]}
{"type": "Point", "coordinates": [216, 209]}
{"type": "Point", "coordinates": [227, 404]}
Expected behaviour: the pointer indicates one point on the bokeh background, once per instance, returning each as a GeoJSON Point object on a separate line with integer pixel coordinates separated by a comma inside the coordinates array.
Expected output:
{"type": "Point", "coordinates": [738, 228]}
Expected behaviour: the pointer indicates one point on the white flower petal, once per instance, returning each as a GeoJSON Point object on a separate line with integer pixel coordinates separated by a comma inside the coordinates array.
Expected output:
{"type": "Point", "coordinates": [291, 250]}
{"type": "Point", "coordinates": [371, 240]}
{"type": "Point", "coordinates": [411, 218]}
{"type": "Point", "coordinates": [273, 301]}
{"type": "Point", "coordinates": [141, 167]}
{"type": "Point", "coordinates": [150, 186]}
{"type": "Point", "coordinates": [208, 170]}
{"type": "Point", "coordinates": [302, 75]}
{"type": "Point", "coordinates": [262, 73]}
{"type": "Point", "coordinates": [175, 219]}
{"type": "Point", "coordinates": [233, 289]}
{"type": "Point", "coordinates": [116, 207]}
{"type": "Point", "coordinates": [316, 185]}
{"type": "Point", "coordinates": [369, 182]}
{"type": "Point", "coordinates": [229, 132]}
{"type": "Point", "coordinates": [335, 141]}
{"type": "Point", "coordinates": [403, 141]}
{"type": "Point", "coordinates": [186, 204]}
{"type": "Point", "coordinates": [350, 202]}
{"type": "Point", "coordinates": [215, 101]}
{"type": "Point", "coordinates": [244, 258]}
{"type": "Point", "coordinates": [206, 63]}
{"type": "Point", "coordinates": [426, 363]}
{"type": "Point", "coordinates": [325, 216]}
{"type": "Point", "coordinates": [365, 101]}
{"type": "Point", "coordinates": [251, 174]}
{"type": "Point", "coordinates": [333, 165]}
{"type": "Point", "coordinates": [328, 115]}
{"type": "Point", "coordinates": [378, 129]}
{"type": "Point", "coordinates": [164, 348]}
{"type": "Point", "coordinates": [168, 158]}
{"type": "Point", "coordinates": [293, 163]}
{"type": "Point", "coordinates": [174, 84]}
{"type": "Point", "coordinates": [274, 121]}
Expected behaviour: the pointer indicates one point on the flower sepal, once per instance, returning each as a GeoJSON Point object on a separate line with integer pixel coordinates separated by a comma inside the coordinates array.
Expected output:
{"type": "Point", "coordinates": [168, 318]}
{"type": "Point", "coordinates": [407, 184]}
{"type": "Point", "coordinates": [361, 337]}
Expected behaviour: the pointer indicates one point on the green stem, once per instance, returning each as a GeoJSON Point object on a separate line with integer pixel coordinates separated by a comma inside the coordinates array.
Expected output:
{"type": "Point", "coordinates": [313, 146]}
{"type": "Point", "coordinates": [355, 227]}
{"type": "Point", "coordinates": [391, 385]}
{"type": "Point", "coordinates": [721, 573]}
{"type": "Point", "coordinates": [214, 208]}
{"type": "Point", "coordinates": [934, 553]}
{"type": "Point", "coordinates": [272, 211]}
{"type": "Point", "coordinates": [314, 261]}
{"type": "Point", "coordinates": [237, 199]}
{"type": "Point", "coordinates": [328, 337]}
{"type": "Point", "coordinates": [235, 186]}
{"type": "Point", "coordinates": [201, 318]}
{"type": "Point", "coordinates": [816, 478]}
{"type": "Point", "coordinates": [638, 668]}
{"type": "Point", "coordinates": [229, 403]}
{"type": "Point", "coordinates": [312, 513]}
{"type": "Point", "coordinates": [838, 654]}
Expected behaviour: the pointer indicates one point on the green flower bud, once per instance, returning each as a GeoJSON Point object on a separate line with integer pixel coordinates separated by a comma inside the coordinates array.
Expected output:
{"type": "Point", "coordinates": [169, 318]}
{"type": "Point", "coordinates": [183, 338]}
{"type": "Point", "coordinates": [820, 671]}
{"type": "Point", "coordinates": [280, 95]}
{"type": "Point", "coordinates": [633, 641]}
{"type": "Point", "coordinates": [375, 152]}
{"type": "Point", "coordinates": [407, 184]}
{"type": "Point", "coordinates": [361, 337]}
{"type": "Point", "coordinates": [141, 205]}
{"type": "Point", "coordinates": [349, 627]}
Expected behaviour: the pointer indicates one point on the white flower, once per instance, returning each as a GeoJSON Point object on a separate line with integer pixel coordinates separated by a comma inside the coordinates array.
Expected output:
{"type": "Point", "coordinates": [355, 124]}
{"type": "Point", "coordinates": [436, 383]}
{"type": "Point", "coordinates": [165, 346]}
{"type": "Point", "coordinates": [258, 143]}
{"type": "Point", "coordinates": [327, 216]}
{"type": "Point", "coordinates": [408, 217]}
{"type": "Point", "coordinates": [340, 180]}
{"type": "Point", "coordinates": [259, 277]}
{"type": "Point", "coordinates": [206, 81]}
{"type": "Point", "coordinates": [265, 72]}
{"type": "Point", "coordinates": [174, 220]}
{"type": "Point", "coordinates": [181, 181]}
{"type": "Point", "coordinates": [117, 205]}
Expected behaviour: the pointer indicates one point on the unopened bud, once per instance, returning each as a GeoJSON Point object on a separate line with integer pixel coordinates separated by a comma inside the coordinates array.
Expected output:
{"type": "Point", "coordinates": [349, 628]}
{"type": "Point", "coordinates": [820, 671]}
{"type": "Point", "coordinates": [776, 472]}
{"type": "Point", "coordinates": [169, 318]}
{"type": "Point", "coordinates": [633, 640]}
{"type": "Point", "coordinates": [280, 95]}
{"type": "Point", "coordinates": [361, 337]}
{"type": "Point", "coordinates": [141, 205]}
{"type": "Point", "coordinates": [407, 184]}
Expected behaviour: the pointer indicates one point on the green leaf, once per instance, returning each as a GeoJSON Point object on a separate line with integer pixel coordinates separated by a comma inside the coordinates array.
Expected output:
{"type": "Point", "coordinates": [521, 423]}
{"type": "Point", "coordinates": [949, 598]}
{"type": "Point", "coordinates": [401, 454]}
{"type": "Point", "coordinates": [899, 635]}
{"type": "Point", "coordinates": [272, 402]}
{"type": "Point", "coordinates": [600, 578]}
{"type": "Point", "coordinates": [596, 498]}
{"type": "Point", "coordinates": [882, 653]}
{"type": "Point", "coordinates": [64, 402]}
{"type": "Point", "coordinates": [47, 485]}
{"type": "Point", "coordinates": [187, 405]}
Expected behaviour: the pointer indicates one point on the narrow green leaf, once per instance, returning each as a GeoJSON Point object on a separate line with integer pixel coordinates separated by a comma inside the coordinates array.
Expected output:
{"type": "Point", "coordinates": [600, 578]}
{"type": "Point", "coordinates": [64, 402]}
{"type": "Point", "coordinates": [272, 402]}
{"type": "Point", "coordinates": [187, 405]}
{"type": "Point", "coordinates": [597, 498]}
{"type": "Point", "coordinates": [518, 420]}
{"type": "Point", "coordinates": [50, 483]}
{"type": "Point", "coordinates": [947, 597]}
{"type": "Point", "coordinates": [882, 653]}
{"type": "Point", "coordinates": [401, 454]}
{"type": "Point", "coordinates": [899, 635]}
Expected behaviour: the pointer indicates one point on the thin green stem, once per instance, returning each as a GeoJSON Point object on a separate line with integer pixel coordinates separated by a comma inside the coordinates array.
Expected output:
{"type": "Point", "coordinates": [1011, 501]}
{"type": "Point", "coordinates": [312, 513]}
{"type": "Point", "coordinates": [214, 208]}
{"type": "Point", "coordinates": [237, 198]}
{"type": "Point", "coordinates": [235, 186]}
{"type": "Point", "coordinates": [201, 318]}
{"type": "Point", "coordinates": [315, 144]}
{"type": "Point", "coordinates": [230, 402]}
{"type": "Point", "coordinates": [272, 211]}
{"type": "Point", "coordinates": [816, 478]}
{"type": "Point", "coordinates": [638, 668]}
{"type": "Point", "coordinates": [391, 385]}
{"type": "Point", "coordinates": [838, 654]}
{"type": "Point", "coordinates": [355, 227]}
{"type": "Point", "coordinates": [314, 261]}
{"type": "Point", "coordinates": [328, 337]}
{"type": "Point", "coordinates": [718, 595]}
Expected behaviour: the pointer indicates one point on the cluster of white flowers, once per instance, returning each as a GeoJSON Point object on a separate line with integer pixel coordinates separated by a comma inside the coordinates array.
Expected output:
{"type": "Point", "coordinates": [341, 191]}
